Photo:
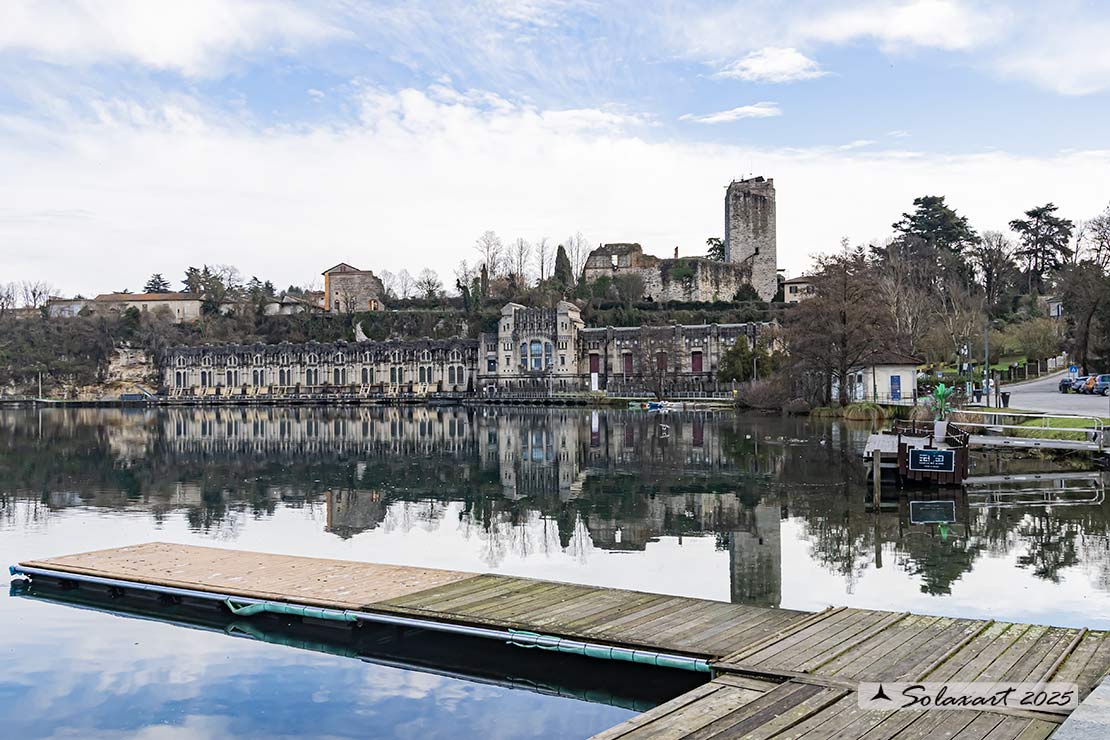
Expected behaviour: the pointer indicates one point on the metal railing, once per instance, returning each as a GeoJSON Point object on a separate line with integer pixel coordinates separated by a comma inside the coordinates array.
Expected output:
{"type": "Point", "coordinates": [1095, 432]}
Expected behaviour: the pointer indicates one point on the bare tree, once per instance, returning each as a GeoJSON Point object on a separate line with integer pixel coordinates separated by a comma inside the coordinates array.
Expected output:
{"type": "Point", "coordinates": [578, 249]}
{"type": "Point", "coordinates": [389, 282]}
{"type": "Point", "coordinates": [904, 290]}
{"type": "Point", "coordinates": [1098, 239]}
{"type": "Point", "coordinates": [834, 332]}
{"type": "Point", "coordinates": [8, 293]}
{"type": "Point", "coordinates": [490, 247]}
{"type": "Point", "coordinates": [993, 260]}
{"type": "Point", "coordinates": [405, 283]}
{"type": "Point", "coordinates": [543, 253]}
{"type": "Point", "coordinates": [518, 258]}
{"type": "Point", "coordinates": [428, 284]}
{"type": "Point", "coordinates": [35, 293]}
{"type": "Point", "coordinates": [466, 274]}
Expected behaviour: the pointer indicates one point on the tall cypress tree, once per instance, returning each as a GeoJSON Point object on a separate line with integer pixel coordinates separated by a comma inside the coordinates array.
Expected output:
{"type": "Point", "coordinates": [563, 272]}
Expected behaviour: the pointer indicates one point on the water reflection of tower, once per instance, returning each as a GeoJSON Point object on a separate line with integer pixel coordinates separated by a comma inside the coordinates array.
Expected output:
{"type": "Point", "coordinates": [351, 511]}
{"type": "Point", "coordinates": [755, 557]}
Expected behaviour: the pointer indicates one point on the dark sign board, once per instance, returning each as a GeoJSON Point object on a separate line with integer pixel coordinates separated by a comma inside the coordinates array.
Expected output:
{"type": "Point", "coordinates": [938, 461]}
{"type": "Point", "coordinates": [932, 512]}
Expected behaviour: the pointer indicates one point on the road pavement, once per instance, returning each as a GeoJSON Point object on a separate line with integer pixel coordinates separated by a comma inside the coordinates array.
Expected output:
{"type": "Point", "coordinates": [1043, 395]}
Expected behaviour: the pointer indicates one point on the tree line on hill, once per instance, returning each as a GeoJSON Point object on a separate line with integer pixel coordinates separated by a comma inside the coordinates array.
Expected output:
{"type": "Point", "coordinates": [940, 291]}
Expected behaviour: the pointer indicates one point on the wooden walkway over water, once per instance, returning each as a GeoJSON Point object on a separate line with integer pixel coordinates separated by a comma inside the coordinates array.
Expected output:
{"type": "Point", "coordinates": [777, 672]}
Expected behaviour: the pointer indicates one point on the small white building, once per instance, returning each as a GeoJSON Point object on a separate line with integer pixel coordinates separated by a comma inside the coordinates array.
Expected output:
{"type": "Point", "coordinates": [887, 377]}
{"type": "Point", "coordinates": [796, 290]}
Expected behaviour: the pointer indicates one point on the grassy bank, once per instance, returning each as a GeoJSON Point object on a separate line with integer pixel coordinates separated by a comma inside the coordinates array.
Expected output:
{"type": "Point", "coordinates": [1057, 428]}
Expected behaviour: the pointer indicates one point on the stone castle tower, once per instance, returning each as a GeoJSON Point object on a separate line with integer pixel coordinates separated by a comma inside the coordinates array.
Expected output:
{"type": "Point", "coordinates": [750, 232]}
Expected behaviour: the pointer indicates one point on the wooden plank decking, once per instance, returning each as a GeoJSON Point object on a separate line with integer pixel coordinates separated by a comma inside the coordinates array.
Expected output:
{"type": "Point", "coordinates": [779, 672]}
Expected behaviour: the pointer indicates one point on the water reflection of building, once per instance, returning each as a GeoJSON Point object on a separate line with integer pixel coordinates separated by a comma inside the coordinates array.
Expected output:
{"type": "Point", "coordinates": [351, 512]}
{"type": "Point", "coordinates": [755, 556]}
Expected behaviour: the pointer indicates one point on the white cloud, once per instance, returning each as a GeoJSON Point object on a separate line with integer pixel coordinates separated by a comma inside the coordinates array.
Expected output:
{"type": "Point", "coordinates": [773, 64]}
{"type": "Point", "coordinates": [1071, 58]}
{"type": "Point", "coordinates": [419, 177]}
{"type": "Point", "coordinates": [898, 134]}
{"type": "Point", "coordinates": [195, 38]}
{"type": "Point", "coordinates": [940, 24]}
{"type": "Point", "coordinates": [857, 144]}
{"type": "Point", "coordinates": [755, 110]}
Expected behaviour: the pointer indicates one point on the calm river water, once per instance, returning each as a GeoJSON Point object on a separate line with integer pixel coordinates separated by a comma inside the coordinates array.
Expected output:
{"type": "Point", "coordinates": [749, 509]}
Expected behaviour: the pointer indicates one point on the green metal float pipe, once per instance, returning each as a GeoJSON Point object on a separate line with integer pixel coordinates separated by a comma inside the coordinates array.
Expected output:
{"type": "Point", "coordinates": [247, 606]}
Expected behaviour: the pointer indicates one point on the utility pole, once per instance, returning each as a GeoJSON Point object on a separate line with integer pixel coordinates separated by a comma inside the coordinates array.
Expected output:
{"type": "Point", "coordinates": [987, 361]}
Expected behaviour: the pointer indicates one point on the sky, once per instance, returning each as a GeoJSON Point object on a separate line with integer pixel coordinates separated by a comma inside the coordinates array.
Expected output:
{"type": "Point", "coordinates": [143, 136]}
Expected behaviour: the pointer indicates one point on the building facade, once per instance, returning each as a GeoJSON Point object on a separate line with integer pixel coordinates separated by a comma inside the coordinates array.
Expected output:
{"type": "Point", "coordinates": [348, 289]}
{"type": "Point", "coordinates": [796, 290]}
{"type": "Point", "coordinates": [180, 307]}
{"type": "Point", "coordinates": [259, 371]}
{"type": "Point", "coordinates": [535, 351]}
{"type": "Point", "coordinates": [750, 235]}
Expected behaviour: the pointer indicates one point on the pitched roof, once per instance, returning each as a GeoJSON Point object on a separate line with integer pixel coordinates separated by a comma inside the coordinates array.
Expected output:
{"type": "Point", "coordinates": [891, 357]}
{"type": "Point", "coordinates": [121, 297]}
{"type": "Point", "coordinates": [799, 279]}
{"type": "Point", "coordinates": [341, 267]}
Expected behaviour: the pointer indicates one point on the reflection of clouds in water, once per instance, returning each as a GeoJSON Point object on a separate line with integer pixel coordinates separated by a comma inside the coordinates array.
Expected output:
{"type": "Point", "coordinates": [192, 727]}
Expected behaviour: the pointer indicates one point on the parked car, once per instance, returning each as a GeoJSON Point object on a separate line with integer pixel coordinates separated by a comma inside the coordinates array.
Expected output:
{"type": "Point", "coordinates": [1102, 385]}
{"type": "Point", "coordinates": [1065, 383]}
{"type": "Point", "coordinates": [1089, 387]}
{"type": "Point", "coordinates": [1078, 383]}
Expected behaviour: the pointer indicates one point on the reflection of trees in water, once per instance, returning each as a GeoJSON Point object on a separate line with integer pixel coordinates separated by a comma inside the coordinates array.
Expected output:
{"type": "Point", "coordinates": [616, 484]}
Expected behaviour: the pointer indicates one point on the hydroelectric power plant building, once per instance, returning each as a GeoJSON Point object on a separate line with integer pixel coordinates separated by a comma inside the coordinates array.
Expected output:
{"type": "Point", "coordinates": [535, 351]}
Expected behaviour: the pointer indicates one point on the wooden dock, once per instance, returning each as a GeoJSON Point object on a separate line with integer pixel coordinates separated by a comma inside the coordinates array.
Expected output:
{"type": "Point", "coordinates": [776, 672]}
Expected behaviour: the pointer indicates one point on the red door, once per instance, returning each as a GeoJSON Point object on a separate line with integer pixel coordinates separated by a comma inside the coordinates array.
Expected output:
{"type": "Point", "coordinates": [627, 364]}
{"type": "Point", "coordinates": [595, 363]}
{"type": "Point", "coordinates": [695, 362]}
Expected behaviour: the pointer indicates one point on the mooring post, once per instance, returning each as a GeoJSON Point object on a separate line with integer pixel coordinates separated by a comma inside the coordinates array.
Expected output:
{"type": "Point", "coordinates": [877, 475]}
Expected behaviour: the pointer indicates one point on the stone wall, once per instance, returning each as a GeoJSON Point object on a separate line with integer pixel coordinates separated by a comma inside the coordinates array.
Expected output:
{"type": "Point", "coordinates": [750, 237]}
{"type": "Point", "coordinates": [684, 279]}
{"type": "Point", "coordinates": [694, 279]}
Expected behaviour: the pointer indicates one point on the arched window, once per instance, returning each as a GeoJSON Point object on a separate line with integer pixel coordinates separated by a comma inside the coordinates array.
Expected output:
{"type": "Point", "coordinates": [393, 375]}
{"type": "Point", "coordinates": [422, 374]}
{"type": "Point", "coordinates": [181, 362]}
{"type": "Point", "coordinates": [335, 376]}
{"type": "Point", "coordinates": [203, 378]}
{"type": "Point", "coordinates": [548, 359]}
{"type": "Point", "coordinates": [177, 379]}
{"type": "Point", "coordinates": [451, 375]}
{"type": "Point", "coordinates": [312, 358]}
{"type": "Point", "coordinates": [254, 377]}
{"type": "Point", "coordinates": [228, 378]}
{"type": "Point", "coordinates": [524, 355]}
{"type": "Point", "coordinates": [536, 352]}
{"type": "Point", "coordinates": [365, 376]}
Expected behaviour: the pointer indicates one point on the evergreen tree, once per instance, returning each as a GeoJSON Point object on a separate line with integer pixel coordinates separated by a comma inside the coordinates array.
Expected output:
{"type": "Point", "coordinates": [564, 275]}
{"type": "Point", "coordinates": [934, 234]}
{"type": "Point", "coordinates": [157, 284]}
{"type": "Point", "coordinates": [1043, 238]}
